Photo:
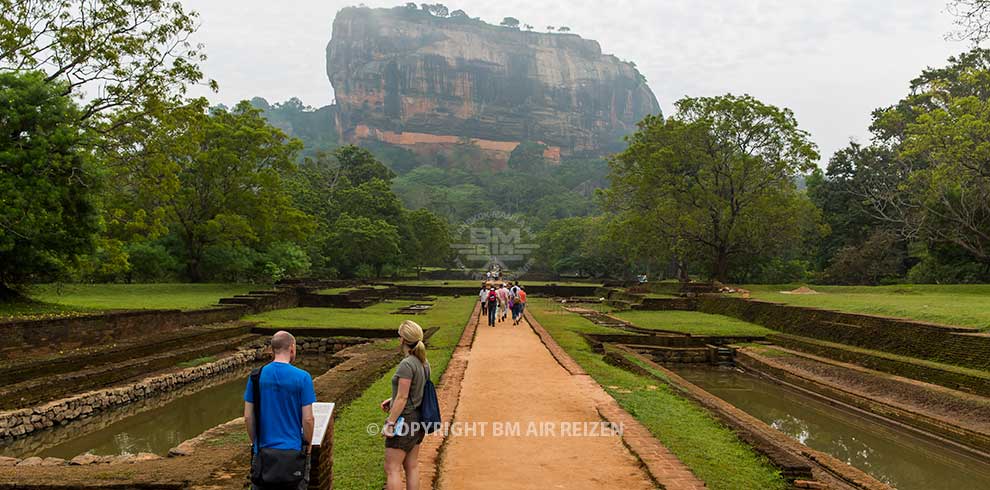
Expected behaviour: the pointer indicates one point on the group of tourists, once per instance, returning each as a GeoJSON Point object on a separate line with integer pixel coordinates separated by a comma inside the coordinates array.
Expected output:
{"type": "Point", "coordinates": [499, 300]}
{"type": "Point", "coordinates": [278, 412]}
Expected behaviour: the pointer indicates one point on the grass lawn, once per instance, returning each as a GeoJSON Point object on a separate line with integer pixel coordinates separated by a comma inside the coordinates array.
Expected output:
{"type": "Point", "coordinates": [52, 299]}
{"type": "Point", "coordinates": [712, 451]}
{"type": "Point", "coordinates": [692, 322]}
{"type": "Point", "coordinates": [358, 457]}
{"type": "Point", "coordinates": [958, 304]}
{"type": "Point", "coordinates": [377, 315]}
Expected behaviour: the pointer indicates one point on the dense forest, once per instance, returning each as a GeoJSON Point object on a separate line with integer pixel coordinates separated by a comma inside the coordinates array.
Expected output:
{"type": "Point", "coordinates": [143, 183]}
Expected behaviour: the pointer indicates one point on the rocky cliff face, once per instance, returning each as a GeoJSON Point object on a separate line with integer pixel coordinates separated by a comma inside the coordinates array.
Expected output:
{"type": "Point", "coordinates": [405, 77]}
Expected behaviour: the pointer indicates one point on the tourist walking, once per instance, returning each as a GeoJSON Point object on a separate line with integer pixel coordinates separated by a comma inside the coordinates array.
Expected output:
{"type": "Point", "coordinates": [402, 430]}
{"type": "Point", "coordinates": [503, 302]}
{"type": "Point", "coordinates": [520, 304]}
{"type": "Point", "coordinates": [278, 412]}
{"type": "Point", "coordinates": [492, 305]}
{"type": "Point", "coordinates": [483, 297]}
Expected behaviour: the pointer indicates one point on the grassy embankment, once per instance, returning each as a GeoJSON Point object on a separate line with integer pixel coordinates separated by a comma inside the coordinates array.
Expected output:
{"type": "Point", "coordinates": [691, 322]}
{"type": "Point", "coordinates": [358, 457]}
{"type": "Point", "coordinates": [961, 304]}
{"type": "Point", "coordinates": [711, 450]}
{"type": "Point", "coordinates": [67, 299]}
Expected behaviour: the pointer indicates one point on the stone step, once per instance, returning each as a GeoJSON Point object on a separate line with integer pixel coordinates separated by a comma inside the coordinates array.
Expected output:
{"type": "Point", "coordinates": [950, 376]}
{"type": "Point", "coordinates": [132, 349]}
{"type": "Point", "coordinates": [43, 389]}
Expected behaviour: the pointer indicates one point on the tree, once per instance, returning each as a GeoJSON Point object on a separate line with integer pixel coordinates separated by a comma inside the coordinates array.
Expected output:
{"type": "Point", "coordinates": [550, 28]}
{"type": "Point", "coordinates": [425, 239]}
{"type": "Point", "coordinates": [359, 165]}
{"type": "Point", "coordinates": [438, 9]}
{"type": "Point", "coordinates": [528, 27]}
{"type": "Point", "coordinates": [459, 14]}
{"type": "Point", "coordinates": [926, 181]}
{"type": "Point", "coordinates": [510, 22]}
{"type": "Point", "coordinates": [856, 175]}
{"type": "Point", "coordinates": [953, 191]}
{"type": "Point", "coordinates": [214, 180]}
{"type": "Point", "coordinates": [717, 178]}
{"type": "Point", "coordinates": [972, 20]}
{"type": "Point", "coordinates": [48, 182]}
{"type": "Point", "coordinates": [120, 54]}
{"type": "Point", "coordinates": [564, 29]}
{"type": "Point", "coordinates": [528, 158]}
{"type": "Point", "coordinates": [357, 241]}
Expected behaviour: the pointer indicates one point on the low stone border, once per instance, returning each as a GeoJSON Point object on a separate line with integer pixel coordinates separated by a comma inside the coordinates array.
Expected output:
{"type": "Point", "coordinates": [448, 394]}
{"type": "Point", "coordinates": [662, 465]}
{"type": "Point", "coordinates": [784, 452]}
{"type": "Point", "coordinates": [19, 423]}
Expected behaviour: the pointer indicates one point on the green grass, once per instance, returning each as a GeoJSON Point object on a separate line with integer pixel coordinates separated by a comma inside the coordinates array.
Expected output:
{"type": "Point", "coordinates": [196, 362]}
{"type": "Point", "coordinates": [54, 300]}
{"type": "Point", "coordinates": [709, 449]}
{"type": "Point", "coordinates": [358, 457]}
{"type": "Point", "coordinates": [36, 309]}
{"type": "Point", "coordinates": [692, 322]}
{"type": "Point", "coordinates": [962, 304]}
{"type": "Point", "coordinates": [377, 315]}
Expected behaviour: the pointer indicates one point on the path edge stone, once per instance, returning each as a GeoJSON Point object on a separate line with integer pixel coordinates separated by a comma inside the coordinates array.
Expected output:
{"type": "Point", "coordinates": [448, 394]}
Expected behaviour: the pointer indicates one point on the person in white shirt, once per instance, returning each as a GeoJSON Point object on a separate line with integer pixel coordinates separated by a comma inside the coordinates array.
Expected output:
{"type": "Point", "coordinates": [483, 296]}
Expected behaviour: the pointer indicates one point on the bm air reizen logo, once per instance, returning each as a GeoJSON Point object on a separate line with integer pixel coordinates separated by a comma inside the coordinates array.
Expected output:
{"type": "Point", "coordinates": [495, 238]}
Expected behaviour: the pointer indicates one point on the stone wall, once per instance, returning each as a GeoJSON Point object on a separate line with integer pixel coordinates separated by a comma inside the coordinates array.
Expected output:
{"type": "Point", "coordinates": [96, 329]}
{"type": "Point", "coordinates": [967, 380]}
{"type": "Point", "coordinates": [664, 304]}
{"type": "Point", "coordinates": [18, 423]}
{"type": "Point", "coordinates": [111, 327]}
{"type": "Point", "coordinates": [952, 345]}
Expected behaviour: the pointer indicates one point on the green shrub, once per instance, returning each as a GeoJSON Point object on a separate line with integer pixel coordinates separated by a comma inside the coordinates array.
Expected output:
{"type": "Point", "coordinates": [151, 262]}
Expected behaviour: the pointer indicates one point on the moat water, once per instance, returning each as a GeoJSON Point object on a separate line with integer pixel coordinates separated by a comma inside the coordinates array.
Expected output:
{"type": "Point", "coordinates": [153, 425]}
{"type": "Point", "coordinates": [894, 456]}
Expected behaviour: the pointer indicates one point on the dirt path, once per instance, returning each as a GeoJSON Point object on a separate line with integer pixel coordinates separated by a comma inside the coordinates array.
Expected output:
{"type": "Point", "coordinates": [513, 381]}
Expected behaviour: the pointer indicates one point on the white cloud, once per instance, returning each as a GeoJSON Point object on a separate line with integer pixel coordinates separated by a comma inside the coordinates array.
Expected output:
{"type": "Point", "coordinates": [831, 61]}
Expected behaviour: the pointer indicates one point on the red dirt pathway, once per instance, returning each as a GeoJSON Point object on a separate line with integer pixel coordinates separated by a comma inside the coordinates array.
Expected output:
{"type": "Point", "coordinates": [513, 381]}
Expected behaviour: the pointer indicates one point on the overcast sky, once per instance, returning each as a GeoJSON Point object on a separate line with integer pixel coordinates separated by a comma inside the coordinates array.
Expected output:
{"type": "Point", "coordinates": [830, 61]}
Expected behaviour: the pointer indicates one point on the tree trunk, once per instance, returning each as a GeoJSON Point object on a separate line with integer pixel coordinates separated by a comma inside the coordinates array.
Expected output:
{"type": "Point", "coordinates": [720, 269]}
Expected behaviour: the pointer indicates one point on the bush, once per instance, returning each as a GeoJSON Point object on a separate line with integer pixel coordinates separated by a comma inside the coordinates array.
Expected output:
{"type": "Point", "coordinates": [229, 263]}
{"type": "Point", "coordinates": [151, 262]}
{"type": "Point", "coordinates": [778, 271]}
{"type": "Point", "coordinates": [287, 257]}
{"type": "Point", "coordinates": [876, 260]}
{"type": "Point", "coordinates": [364, 271]}
{"type": "Point", "coordinates": [932, 271]}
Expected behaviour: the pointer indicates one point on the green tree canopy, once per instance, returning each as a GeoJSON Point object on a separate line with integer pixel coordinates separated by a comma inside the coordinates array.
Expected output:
{"type": "Point", "coordinates": [717, 178]}
{"type": "Point", "coordinates": [48, 183]}
{"type": "Point", "coordinates": [121, 54]}
{"type": "Point", "coordinates": [212, 179]}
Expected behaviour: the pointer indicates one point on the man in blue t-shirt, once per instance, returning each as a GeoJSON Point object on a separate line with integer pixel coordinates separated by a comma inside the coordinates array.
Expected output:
{"type": "Point", "coordinates": [287, 399]}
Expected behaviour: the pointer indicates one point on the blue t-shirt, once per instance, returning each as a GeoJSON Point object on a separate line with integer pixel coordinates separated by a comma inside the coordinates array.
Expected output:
{"type": "Point", "coordinates": [285, 389]}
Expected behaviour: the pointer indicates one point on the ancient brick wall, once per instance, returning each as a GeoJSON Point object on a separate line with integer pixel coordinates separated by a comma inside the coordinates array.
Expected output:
{"type": "Point", "coordinates": [94, 329]}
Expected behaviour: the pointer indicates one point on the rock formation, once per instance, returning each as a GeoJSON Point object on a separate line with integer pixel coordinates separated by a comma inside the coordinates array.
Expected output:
{"type": "Point", "coordinates": [407, 78]}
